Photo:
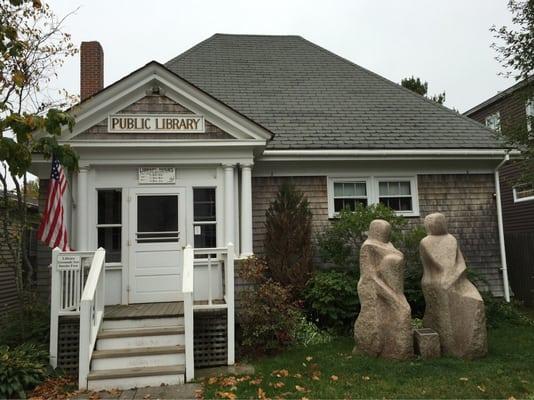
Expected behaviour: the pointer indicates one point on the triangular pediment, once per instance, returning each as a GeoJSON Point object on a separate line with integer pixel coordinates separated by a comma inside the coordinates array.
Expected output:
{"type": "Point", "coordinates": [154, 103]}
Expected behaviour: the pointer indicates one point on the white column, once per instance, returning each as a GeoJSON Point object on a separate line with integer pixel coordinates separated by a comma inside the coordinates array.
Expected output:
{"type": "Point", "coordinates": [229, 204]}
{"type": "Point", "coordinates": [246, 210]}
{"type": "Point", "coordinates": [82, 205]}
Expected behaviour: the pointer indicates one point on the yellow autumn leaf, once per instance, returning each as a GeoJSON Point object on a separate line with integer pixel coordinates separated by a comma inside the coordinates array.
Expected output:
{"type": "Point", "coordinates": [309, 358]}
{"type": "Point", "coordinates": [300, 388]}
{"type": "Point", "coordinates": [261, 394]}
{"type": "Point", "coordinates": [334, 378]}
{"type": "Point", "coordinates": [278, 385]}
{"type": "Point", "coordinates": [226, 395]}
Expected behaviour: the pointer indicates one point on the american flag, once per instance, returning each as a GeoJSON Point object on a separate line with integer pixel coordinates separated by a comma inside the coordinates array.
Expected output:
{"type": "Point", "coordinates": [52, 230]}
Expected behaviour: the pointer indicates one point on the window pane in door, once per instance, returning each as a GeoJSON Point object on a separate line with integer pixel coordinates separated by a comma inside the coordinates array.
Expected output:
{"type": "Point", "coordinates": [204, 204]}
{"type": "Point", "coordinates": [110, 239]}
{"type": "Point", "coordinates": [205, 236]}
{"type": "Point", "coordinates": [158, 217]}
{"type": "Point", "coordinates": [109, 207]}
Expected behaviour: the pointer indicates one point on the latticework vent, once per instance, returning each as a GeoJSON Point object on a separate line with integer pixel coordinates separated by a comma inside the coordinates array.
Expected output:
{"type": "Point", "coordinates": [211, 342]}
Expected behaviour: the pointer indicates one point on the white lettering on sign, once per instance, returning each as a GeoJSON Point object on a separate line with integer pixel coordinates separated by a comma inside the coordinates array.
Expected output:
{"type": "Point", "coordinates": [68, 262]}
{"type": "Point", "coordinates": [170, 123]}
{"type": "Point", "coordinates": [156, 175]}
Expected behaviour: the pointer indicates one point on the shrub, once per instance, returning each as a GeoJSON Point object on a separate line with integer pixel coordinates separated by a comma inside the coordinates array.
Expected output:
{"type": "Point", "coordinates": [308, 334]}
{"type": "Point", "coordinates": [339, 244]}
{"type": "Point", "coordinates": [499, 312]}
{"type": "Point", "coordinates": [288, 245]}
{"type": "Point", "coordinates": [331, 299]}
{"type": "Point", "coordinates": [21, 368]}
{"type": "Point", "coordinates": [28, 324]}
{"type": "Point", "coordinates": [268, 318]}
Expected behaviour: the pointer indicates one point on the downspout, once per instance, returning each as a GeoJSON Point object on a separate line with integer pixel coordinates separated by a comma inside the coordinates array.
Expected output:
{"type": "Point", "coordinates": [504, 264]}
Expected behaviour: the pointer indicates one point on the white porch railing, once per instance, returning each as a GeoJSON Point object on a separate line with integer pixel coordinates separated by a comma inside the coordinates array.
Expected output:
{"type": "Point", "coordinates": [69, 272]}
{"type": "Point", "coordinates": [220, 257]}
{"type": "Point", "coordinates": [91, 313]}
{"type": "Point", "coordinates": [78, 288]}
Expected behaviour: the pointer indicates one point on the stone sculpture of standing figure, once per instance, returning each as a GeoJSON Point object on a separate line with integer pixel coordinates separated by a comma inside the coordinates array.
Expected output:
{"type": "Point", "coordinates": [383, 327]}
{"type": "Point", "coordinates": [454, 307]}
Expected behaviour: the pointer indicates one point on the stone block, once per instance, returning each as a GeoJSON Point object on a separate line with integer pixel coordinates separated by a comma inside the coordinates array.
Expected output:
{"type": "Point", "coordinates": [426, 343]}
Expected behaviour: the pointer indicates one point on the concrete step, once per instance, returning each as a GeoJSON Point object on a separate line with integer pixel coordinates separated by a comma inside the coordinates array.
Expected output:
{"type": "Point", "coordinates": [143, 337]}
{"type": "Point", "coordinates": [140, 323]}
{"type": "Point", "coordinates": [128, 378]}
{"type": "Point", "coordinates": [138, 357]}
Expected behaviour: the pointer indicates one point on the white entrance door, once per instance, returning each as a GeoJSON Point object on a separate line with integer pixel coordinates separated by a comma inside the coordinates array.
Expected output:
{"type": "Point", "coordinates": [157, 234]}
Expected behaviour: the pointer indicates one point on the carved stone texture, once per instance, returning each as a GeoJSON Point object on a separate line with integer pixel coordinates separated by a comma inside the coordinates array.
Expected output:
{"type": "Point", "coordinates": [426, 343]}
{"type": "Point", "coordinates": [383, 327]}
{"type": "Point", "coordinates": [454, 307]}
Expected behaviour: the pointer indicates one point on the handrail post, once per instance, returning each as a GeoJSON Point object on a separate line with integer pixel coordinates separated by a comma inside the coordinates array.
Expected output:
{"type": "Point", "coordinates": [230, 303]}
{"type": "Point", "coordinates": [54, 308]}
{"type": "Point", "coordinates": [187, 289]}
{"type": "Point", "coordinates": [85, 328]}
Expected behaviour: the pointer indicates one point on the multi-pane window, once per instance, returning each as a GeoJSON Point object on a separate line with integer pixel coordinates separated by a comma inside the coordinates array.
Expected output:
{"type": "Point", "coordinates": [109, 223]}
{"type": "Point", "coordinates": [205, 217]}
{"type": "Point", "coordinates": [493, 121]}
{"type": "Point", "coordinates": [348, 194]}
{"type": "Point", "coordinates": [524, 192]}
{"type": "Point", "coordinates": [396, 195]}
{"type": "Point", "coordinates": [529, 110]}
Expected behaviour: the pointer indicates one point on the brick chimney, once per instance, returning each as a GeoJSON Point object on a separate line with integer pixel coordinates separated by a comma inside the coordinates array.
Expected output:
{"type": "Point", "coordinates": [91, 69]}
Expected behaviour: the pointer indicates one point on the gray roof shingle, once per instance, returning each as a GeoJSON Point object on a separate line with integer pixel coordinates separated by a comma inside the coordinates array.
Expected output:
{"type": "Point", "coordinates": [311, 98]}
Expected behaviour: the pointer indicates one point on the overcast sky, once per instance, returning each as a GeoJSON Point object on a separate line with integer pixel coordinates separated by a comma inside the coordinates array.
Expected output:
{"type": "Point", "coordinates": [446, 43]}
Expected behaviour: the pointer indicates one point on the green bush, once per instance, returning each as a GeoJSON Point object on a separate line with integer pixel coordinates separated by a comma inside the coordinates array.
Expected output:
{"type": "Point", "coordinates": [499, 312]}
{"type": "Point", "coordinates": [308, 334]}
{"type": "Point", "coordinates": [331, 299]}
{"type": "Point", "coordinates": [21, 368]}
{"type": "Point", "coordinates": [339, 244]}
{"type": "Point", "coordinates": [28, 324]}
{"type": "Point", "coordinates": [268, 317]}
{"type": "Point", "coordinates": [288, 245]}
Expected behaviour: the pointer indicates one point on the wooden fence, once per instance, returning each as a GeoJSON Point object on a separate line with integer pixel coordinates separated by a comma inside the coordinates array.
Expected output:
{"type": "Point", "coordinates": [520, 257]}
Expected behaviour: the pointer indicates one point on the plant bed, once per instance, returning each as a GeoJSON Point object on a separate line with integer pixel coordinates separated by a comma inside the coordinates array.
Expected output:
{"type": "Point", "coordinates": [332, 371]}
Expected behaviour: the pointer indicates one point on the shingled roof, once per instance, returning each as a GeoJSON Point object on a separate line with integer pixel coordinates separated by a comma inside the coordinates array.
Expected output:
{"type": "Point", "coordinates": [311, 98]}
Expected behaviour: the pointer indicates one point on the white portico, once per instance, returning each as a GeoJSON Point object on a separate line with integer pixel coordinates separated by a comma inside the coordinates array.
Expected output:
{"type": "Point", "coordinates": [164, 190]}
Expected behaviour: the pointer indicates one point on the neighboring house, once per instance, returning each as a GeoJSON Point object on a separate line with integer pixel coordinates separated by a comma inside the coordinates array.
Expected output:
{"type": "Point", "coordinates": [9, 299]}
{"type": "Point", "coordinates": [192, 152]}
{"type": "Point", "coordinates": [508, 110]}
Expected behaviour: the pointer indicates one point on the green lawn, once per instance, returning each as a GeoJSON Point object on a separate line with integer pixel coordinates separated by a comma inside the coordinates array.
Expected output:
{"type": "Point", "coordinates": [331, 371]}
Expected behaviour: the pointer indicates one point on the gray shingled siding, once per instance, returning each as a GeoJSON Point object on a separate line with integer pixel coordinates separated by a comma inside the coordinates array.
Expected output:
{"type": "Point", "coordinates": [152, 104]}
{"type": "Point", "coordinates": [311, 98]}
{"type": "Point", "coordinates": [466, 200]}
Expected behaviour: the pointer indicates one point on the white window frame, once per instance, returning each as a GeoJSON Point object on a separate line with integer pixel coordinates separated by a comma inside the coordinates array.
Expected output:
{"type": "Point", "coordinates": [194, 223]}
{"type": "Point", "coordinates": [113, 264]}
{"type": "Point", "coordinates": [521, 199]}
{"type": "Point", "coordinates": [529, 112]}
{"type": "Point", "coordinates": [330, 191]}
{"type": "Point", "coordinates": [497, 116]}
{"type": "Point", "coordinates": [372, 183]}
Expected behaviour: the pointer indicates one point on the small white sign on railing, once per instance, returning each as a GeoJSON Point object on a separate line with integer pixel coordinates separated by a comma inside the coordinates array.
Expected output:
{"type": "Point", "coordinates": [67, 262]}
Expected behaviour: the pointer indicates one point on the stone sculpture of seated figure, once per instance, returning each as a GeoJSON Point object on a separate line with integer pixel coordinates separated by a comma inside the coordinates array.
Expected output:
{"type": "Point", "coordinates": [383, 327]}
{"type": "Point", "coordinates": [454, 307]}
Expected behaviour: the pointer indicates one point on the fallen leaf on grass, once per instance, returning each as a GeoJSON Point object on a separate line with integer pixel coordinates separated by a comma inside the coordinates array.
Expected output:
{"type": "Point", "coordinates": [298, 376]}
{"type": "Point", "coordinates": [261, 394]}
{"type": "Point", "coordinates": [309, 358]}
{"type": "Point", "coordinates": [304, 398]}
{"type": "Point", "coordinates": [334, 378]}
{"type": "Point", "coordinates": [463, 379]}
{"type": "Point", "coordinates": [511, 398]}
{"type": "Point", "coordinates": [280, 373]}
{"type": "Point", "coordinates": [366, 378]}
{"type": "Point", "coordinates": [226, 395]}
{"type": "Point", "coordinates": [300, 388]}
{"type": "Point", "coordinates": [147, 396]}
{"type": "Point", "coordinates": [213, 380]}
{"type": "Point", "coordinates": [481, 388]}
{"type": "Point", "coordinates": [229, 381]}
{"type": "Point", "coordinates": [255, 381]}
{"type": "Point", "coordinates": [316, 375]}
{"type": "Point", "coordinates": [199, 394]}
{"type": "Point", "coordinates": [279, 385]}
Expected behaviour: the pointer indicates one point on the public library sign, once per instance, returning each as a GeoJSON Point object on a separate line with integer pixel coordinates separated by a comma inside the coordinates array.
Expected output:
{"type": "Point", "coordinates": [171, 123]}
